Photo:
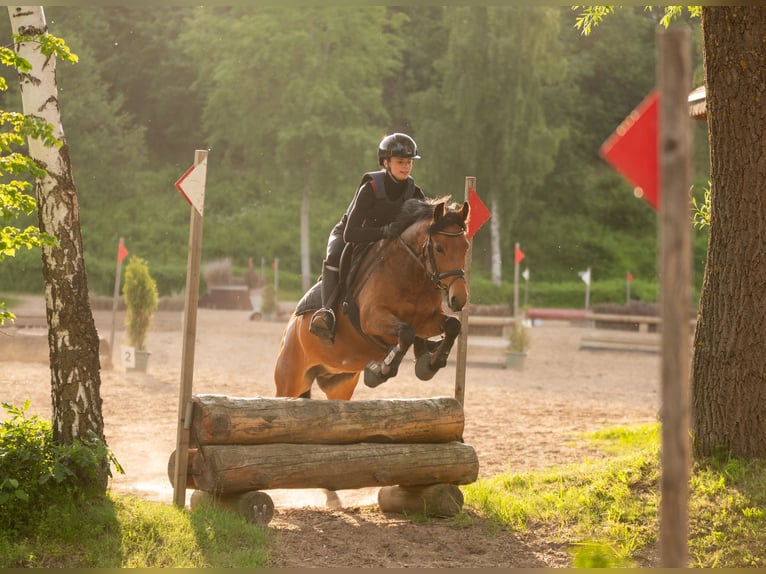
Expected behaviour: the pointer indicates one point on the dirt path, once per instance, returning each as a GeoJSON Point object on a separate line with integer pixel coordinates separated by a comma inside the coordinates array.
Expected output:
{"type": "Point", "coordinates": [515, 420]}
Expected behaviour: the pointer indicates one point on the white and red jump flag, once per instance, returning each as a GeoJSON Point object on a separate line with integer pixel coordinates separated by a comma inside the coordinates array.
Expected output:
{"type": "Point", "coordinates": [479, 213]}
{"type": "Point", "coordinates": [122, 252]}
{"type": "Point", "coordinates": [519, 255]}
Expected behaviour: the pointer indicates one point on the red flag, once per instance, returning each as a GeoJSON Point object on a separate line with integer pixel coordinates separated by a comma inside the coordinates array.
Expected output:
{"type": "Point", "coordinates": [630, 276]}
{"type": "Point", "coordinates": [632, 149]}
{"type": "Point", "coordinates": [479, 213]}
{"type": "Point", "coordinates": [122, 252]}
{"type": "Point", "coordinates": [519, 255]}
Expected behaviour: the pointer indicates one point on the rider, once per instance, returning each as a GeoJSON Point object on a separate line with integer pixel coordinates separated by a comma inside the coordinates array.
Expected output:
{"type": "Point", "coordinates": [368, 218]}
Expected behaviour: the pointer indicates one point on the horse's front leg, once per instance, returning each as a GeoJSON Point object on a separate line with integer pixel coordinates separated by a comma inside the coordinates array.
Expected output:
{"type": "Point", "coordinates": [376, 373]}
{"type": "Point", "coordinates": [429, 362]}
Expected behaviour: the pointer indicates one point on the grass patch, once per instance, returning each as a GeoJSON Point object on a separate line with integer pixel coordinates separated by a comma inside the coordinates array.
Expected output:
{"type": "Point", "coordinates": [126, 532]}
{"type": "Point", "coordinates": [607, 510]}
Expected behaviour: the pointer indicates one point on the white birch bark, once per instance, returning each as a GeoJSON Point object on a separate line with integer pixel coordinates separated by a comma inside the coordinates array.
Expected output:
{"type": "Point", "coordinates": [72, 336]}
{"type": "Point", "coordinates": [494, 239]}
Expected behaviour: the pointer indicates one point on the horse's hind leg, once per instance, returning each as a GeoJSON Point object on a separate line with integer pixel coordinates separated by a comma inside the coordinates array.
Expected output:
{"type": "Point", "coordinates": [291, 376]}
{"type": "Point", "coordinates": [376, 373]}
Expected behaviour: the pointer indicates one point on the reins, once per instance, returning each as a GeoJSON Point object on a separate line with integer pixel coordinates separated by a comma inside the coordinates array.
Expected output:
{"type": "Point", "coordinates": [434, 275]}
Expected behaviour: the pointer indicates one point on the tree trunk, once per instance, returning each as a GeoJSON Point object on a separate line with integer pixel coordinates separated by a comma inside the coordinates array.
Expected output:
{"type": "Point", "coordinates": [72, 337]}
{"type": "Point", "coordinates": [306, 281]}
{"type": "Point", "coordinates": [494, 238]}
{"type": "Point", "coordinates": [728, 390]}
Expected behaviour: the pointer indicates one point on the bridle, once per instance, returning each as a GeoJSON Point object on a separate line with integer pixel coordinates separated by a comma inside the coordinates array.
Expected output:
{"type": "Point", "coordinates": [435, 275]}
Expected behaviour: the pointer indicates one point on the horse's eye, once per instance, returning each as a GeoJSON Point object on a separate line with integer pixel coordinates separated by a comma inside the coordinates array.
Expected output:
{"type": "Point", "coordinates": [439, 249]}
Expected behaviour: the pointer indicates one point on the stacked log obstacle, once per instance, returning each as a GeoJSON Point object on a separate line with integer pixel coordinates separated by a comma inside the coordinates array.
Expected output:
{"type": "Point", "coordinates": [411, 448]}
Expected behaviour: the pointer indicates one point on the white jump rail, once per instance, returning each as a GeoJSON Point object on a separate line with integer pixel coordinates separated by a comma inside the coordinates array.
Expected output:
{"type": "Point", "coordinates": [489, 349]}
{"type": "Point", "coordinates": [624, 340]}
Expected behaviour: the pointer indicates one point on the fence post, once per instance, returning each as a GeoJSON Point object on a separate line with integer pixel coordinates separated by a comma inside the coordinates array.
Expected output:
{"type": "Point", "coordinates": [674, 148]}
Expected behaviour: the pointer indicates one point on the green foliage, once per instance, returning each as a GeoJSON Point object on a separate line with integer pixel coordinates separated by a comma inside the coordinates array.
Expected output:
{"type": "Point", "coordinates": [701, 208]}
{"type": "Point", "coordinates": [141, 299]}
{"type": "Point", "coordinates": [591, 16]}
{"type": "Point", "coordinates": [563, 294]}
{"type": "Point", "coordinates": [36, 474]}
{"type": "Point", "coordinates": [49, 46]}
{"type": "Point", "coordinates": [15, 202]}
{"type": "Point", "coordinates": [530, 135]}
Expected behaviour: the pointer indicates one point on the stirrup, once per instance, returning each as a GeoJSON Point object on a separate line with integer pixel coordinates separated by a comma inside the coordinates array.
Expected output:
{"type": "Point", "coordinates": [323, 325]}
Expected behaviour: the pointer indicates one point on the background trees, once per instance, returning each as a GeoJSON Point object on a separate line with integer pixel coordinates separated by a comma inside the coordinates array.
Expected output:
{"type": "Point", "coordinates": [292, 103]}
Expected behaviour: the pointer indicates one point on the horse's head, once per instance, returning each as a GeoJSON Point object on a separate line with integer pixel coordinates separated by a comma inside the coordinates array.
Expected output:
{"type": "Point", "coordinates": [438, 229]}
{"type": "Point", "coordinates": [446, 247]}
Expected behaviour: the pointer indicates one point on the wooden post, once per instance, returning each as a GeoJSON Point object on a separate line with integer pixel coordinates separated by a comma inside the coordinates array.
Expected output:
{"type": "Point", "coordinates": [462, 340]}
{"type": "Point", "coordinates": [516, 267]}
{"type": "Point", "coordinates": [117, 275]}
{"type": "Point", "coordinates": [674, 148]}
{"type": "Point", "coordinates": [187, 356]}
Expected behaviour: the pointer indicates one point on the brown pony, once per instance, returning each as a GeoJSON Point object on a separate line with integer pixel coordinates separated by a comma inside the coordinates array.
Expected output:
{"type": "Point", "coordinates": [394, 302]}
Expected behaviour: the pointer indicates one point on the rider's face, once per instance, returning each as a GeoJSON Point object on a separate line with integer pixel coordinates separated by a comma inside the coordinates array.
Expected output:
{"type": "Point", "coordinates": [400, 167]}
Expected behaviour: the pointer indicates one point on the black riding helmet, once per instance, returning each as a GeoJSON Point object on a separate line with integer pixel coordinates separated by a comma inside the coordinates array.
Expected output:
{"type": "Point", "coordinates": [397, 145]}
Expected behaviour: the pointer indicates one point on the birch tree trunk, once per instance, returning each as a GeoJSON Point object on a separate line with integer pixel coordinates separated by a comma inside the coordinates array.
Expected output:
{"type": "Point", "coordinates": [306, 281]}
{"type": "Point", "coordinates": [494, 238]}
{"type": "Point", "coordinates": [728, 389]}
{"type": "Point", "coordinates": [72, 337]}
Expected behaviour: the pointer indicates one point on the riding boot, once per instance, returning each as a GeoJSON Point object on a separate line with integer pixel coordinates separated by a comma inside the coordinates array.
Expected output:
{"type": "Point", "coordinates": [323, 321]}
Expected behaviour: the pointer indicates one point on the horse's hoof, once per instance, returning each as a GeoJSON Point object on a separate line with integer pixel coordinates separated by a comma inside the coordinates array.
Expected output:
{"type": "Point", "coordinates": [373, 375]}
{"type": "Point", "coordinates": [423, 369]}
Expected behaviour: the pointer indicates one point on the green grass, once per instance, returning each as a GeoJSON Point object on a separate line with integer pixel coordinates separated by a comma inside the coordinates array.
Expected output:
{"type": "Point", "coordinates": [127, 532]}
{"type": "Point", "coordinates": [606, 510]}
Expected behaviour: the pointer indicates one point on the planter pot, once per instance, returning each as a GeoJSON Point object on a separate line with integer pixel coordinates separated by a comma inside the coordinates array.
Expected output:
{"type": "Point", "coordinates": [142, 361]}
{"type": "Point", "coordinates": [515, 360]}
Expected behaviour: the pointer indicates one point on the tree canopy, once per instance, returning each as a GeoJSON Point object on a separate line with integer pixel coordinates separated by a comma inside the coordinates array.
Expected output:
{"type": "Point", "coordinates": [292, 102]}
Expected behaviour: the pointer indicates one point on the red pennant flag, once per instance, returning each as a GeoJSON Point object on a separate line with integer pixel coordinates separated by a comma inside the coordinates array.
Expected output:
{"type": "Point", "coordinates": [519, 255]}
{"type": "Point", "coordinates": [122, 252]}
{"type": "Point", "coordinates": [479, 213]}
{"type": "Point", "coordinates": [630, 276]}
{"type": "Point", "coordinates": [632, 149]}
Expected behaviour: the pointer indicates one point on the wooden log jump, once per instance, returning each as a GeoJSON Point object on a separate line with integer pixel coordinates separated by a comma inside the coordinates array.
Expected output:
{"type": "Point", "coordinates": [220, 420]}
{"type": "Point", "coordinates": [412, 448]}
{"type": "Point", "coordinates": [228, 469]}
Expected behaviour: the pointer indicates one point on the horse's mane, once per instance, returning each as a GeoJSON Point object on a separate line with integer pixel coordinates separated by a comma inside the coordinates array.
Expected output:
{"type": "Point", "coordinates": [416, 210]}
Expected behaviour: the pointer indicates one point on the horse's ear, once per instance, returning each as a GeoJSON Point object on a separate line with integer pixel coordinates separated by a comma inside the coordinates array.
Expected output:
{"type": "Point", "coordinates": [466, 209]}
{"type": "Point", "coordinates": [439, 210]}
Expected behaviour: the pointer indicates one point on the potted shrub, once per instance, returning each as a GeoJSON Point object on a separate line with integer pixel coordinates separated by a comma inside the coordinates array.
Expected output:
{"type": "Point", "coordinates": [519, 340]}
{"type": "Point", "coordinates": [141, 299]}
{"type": "Point", "coordinates": [268, 302]}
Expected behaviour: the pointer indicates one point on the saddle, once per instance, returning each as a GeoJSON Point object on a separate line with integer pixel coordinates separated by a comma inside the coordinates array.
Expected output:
{"type": "Point", "coordinates": [353, 276]}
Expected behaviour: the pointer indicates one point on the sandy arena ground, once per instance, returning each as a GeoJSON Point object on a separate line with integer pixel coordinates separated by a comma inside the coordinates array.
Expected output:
{"type": "Point", "coordinates": [515, 420]}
